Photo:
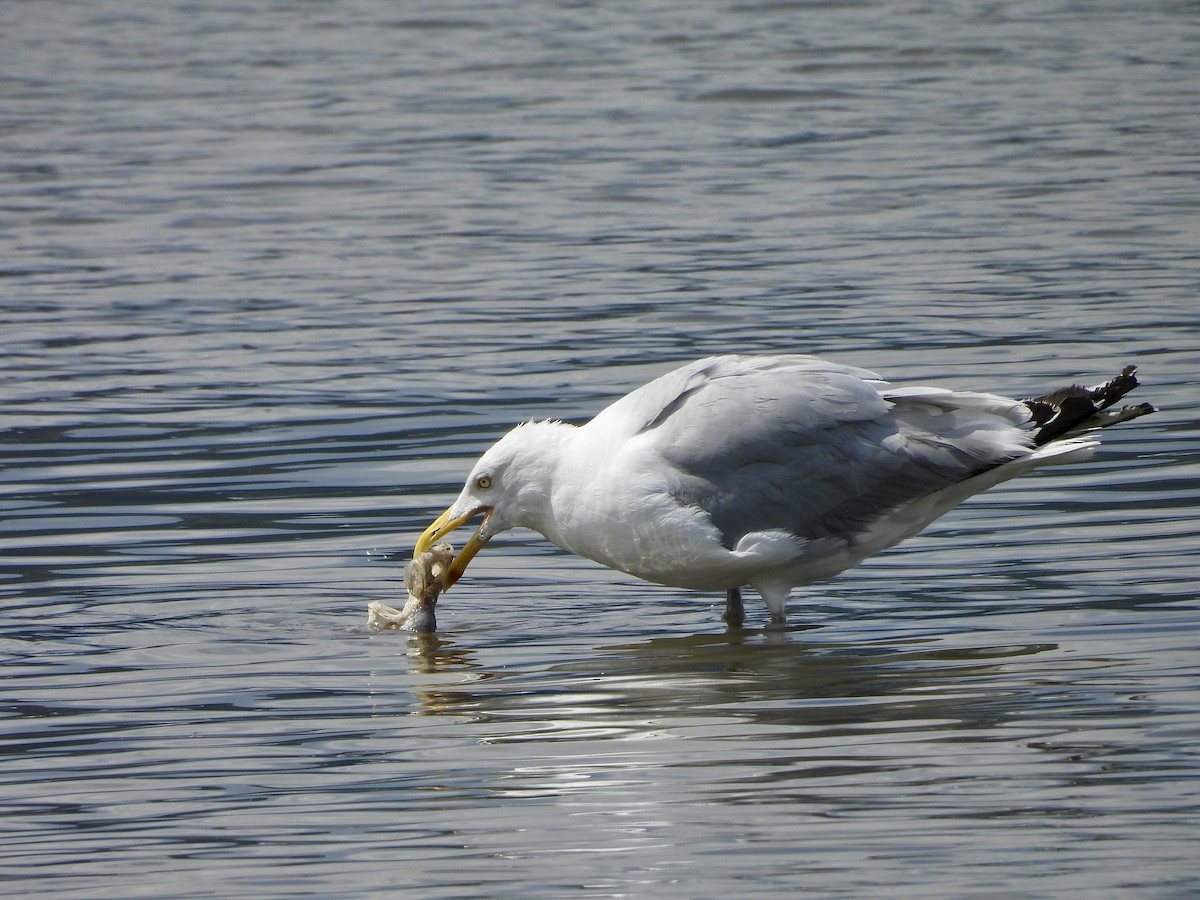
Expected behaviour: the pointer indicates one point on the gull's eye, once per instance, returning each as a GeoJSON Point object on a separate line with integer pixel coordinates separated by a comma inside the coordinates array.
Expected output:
{"type": "Point", "coordinates": [483, 482]}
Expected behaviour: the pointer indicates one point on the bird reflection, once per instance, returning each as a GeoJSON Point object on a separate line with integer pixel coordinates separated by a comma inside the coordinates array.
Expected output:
{"type": "Point", "coordinates": [770, 679]}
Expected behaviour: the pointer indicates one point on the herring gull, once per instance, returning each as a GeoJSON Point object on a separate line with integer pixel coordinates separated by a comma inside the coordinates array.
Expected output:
{"type": "Point", "coordinates": [767, 472]}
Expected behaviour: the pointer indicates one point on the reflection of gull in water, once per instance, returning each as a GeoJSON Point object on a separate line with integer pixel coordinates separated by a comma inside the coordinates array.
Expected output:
{"type": "Point", "coordinates": [769, 472]}
{"type": "Point", "coordinates": [708, 683]}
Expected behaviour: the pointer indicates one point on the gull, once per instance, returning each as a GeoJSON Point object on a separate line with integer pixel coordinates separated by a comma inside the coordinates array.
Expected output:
{"type": "Point", "coordinates": [765, 471]}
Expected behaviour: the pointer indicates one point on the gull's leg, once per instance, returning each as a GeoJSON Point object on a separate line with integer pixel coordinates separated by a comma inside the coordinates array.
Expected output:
{"type": "Point", "coordinates": [735, 614]}
{"type": "Point", "coordinates": [776, 597]}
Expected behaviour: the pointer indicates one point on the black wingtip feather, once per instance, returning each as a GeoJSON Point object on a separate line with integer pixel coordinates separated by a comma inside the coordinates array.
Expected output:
{"type": "Point", "coordinates": [1077, 408]}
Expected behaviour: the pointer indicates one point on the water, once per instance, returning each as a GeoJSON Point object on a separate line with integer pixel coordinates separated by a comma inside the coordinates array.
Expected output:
{"type": "Point", "coordinates": [274, 273]}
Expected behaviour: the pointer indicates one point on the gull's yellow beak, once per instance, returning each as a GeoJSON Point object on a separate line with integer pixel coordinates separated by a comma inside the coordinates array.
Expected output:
{"type": "Point", "coordinates": [442, 526]}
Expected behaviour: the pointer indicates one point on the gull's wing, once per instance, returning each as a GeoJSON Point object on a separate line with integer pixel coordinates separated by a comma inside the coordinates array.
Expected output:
{"type": "Point", "coordinates": [810, 447]}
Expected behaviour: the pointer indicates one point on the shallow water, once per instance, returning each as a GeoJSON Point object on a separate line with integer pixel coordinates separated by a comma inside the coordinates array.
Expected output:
{"type": "Point", "coordinates": [276, 273]}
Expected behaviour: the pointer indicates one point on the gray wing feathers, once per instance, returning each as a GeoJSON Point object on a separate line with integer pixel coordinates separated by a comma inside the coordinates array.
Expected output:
{"type": "Point", "coordinates": [654, 403]}
{"type": "Point", "coordinates": [817, 449]}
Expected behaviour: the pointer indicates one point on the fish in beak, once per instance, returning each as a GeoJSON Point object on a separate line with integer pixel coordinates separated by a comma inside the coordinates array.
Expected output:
{"type": "Point", "coordinates": [446, 523]}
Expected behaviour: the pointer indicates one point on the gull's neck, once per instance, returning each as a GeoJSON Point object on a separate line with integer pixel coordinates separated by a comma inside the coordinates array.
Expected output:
{"type": "Point", "coordinates": [542, 451]}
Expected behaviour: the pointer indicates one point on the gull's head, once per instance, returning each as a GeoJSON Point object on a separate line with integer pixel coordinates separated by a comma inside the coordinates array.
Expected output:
{"type": "Point", "coordinates": [508, 486]}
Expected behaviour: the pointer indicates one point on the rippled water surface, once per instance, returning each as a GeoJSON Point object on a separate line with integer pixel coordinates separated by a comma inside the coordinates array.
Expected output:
{"type": "Point", "coordinates": [275, 273]}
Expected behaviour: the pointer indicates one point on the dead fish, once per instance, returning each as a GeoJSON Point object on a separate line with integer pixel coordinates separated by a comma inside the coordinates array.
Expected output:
{"type": "Point", "coordinates": [425, 578]}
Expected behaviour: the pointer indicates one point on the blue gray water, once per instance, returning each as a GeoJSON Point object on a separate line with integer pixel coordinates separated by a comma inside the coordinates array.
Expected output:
{"type": "Point", "coordinates": [274, 273]}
